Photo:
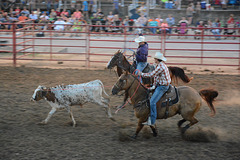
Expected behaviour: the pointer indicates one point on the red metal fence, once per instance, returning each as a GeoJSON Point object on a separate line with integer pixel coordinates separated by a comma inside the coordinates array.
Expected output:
{"type": "Point", "coordinates": [39, 42]}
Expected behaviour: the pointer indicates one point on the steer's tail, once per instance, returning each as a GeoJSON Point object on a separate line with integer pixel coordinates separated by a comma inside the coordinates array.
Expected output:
{"type": "Point", "coordinates": [209, 96]}
{"type": "Point", "coordinates": [103, 88]}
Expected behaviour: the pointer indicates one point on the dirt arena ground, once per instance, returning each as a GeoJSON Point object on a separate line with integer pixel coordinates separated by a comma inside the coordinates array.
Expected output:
{"type": "Point", "coordinates": [97, 137]}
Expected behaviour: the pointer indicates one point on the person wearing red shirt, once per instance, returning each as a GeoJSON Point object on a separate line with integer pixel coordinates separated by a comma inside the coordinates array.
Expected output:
{"type": "Point", "coordinates": [64, 12]}
{"type": "Point", "coordinates": [17, 10]}
{"type": "Point", "coordinates": [77, 14]}
{"type": "Point", "coordinates": [22, 17]}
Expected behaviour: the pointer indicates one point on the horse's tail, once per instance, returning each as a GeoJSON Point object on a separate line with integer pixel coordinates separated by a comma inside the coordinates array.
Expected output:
{"type": "Point", "coordinates": [179, 73]}
{"type": "Point", "coordinates": [209, 96]}
{"type": "Point", "coordinates": [103, 88]}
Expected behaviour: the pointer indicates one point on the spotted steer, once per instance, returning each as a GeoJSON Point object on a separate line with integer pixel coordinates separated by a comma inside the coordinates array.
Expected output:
{"type": "Point", "coordinates": [65, 96]}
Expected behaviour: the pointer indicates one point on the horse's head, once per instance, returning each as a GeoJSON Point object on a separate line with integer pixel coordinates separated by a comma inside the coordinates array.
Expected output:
{"type": "Point", "coordinates": [115, 60]}
{"type": "Point", "coordinates": [124, 82]}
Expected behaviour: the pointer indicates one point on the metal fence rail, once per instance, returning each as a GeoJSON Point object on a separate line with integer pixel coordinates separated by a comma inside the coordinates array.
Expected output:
{"type": "Point", "coordinates": [93, 47]}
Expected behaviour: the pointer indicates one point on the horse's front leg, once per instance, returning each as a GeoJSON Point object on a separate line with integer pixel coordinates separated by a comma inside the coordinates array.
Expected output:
{"type": "Point", "coordinates": [139, 128]}
{"type": "Point", "coordinates": [124, 100]}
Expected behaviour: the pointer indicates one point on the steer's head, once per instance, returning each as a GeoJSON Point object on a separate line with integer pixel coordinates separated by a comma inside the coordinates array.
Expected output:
{"type": "Point", "coordinates": [39, 93]}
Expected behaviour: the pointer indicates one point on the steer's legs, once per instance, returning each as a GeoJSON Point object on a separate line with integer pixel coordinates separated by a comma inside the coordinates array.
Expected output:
{"type": "Point", "coordinates": [107, 108]}
{"type": "Point", "coordinates": [71, 116]}
{"type": "Point", "coordinates": [49, 116]}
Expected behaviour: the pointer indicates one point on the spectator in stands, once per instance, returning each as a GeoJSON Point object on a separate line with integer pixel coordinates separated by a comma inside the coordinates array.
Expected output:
{"type": "Point", "coordinates": [95, 21]}
{"type": "Point", "coordinates": [216, 31]}
{"type": "Point", "coordinates": [230, 19]}
{"type": "Point", "coordinates": [199, 30]}
{"type": "Point", "coordinates": [25, 11]}
{"type": "Point", "coordinates": [77, 14]}
{"type": "Point", "coordinates": [178, 4]}
{"type": "Point", "coordinates": [142, 21]}
{"type": "Point", "coordinates": [33, 16]}
{"type": "Point", "coordinates": [22, 17]}
{"type": "Point", "coordinates": [164, 27]}
{"type": "Point", "coordinates": [45, 16]}
{"type": "Point", "coordinates": [116, 22]}
{"type": "Point", "coordinates": [110, 18]}
{"type": "Point", "coordinates": [126, 21]}
{"type": "Point", "coordinates": [94, 7]}
{"type": "Point", "coordinates": [2, 20]}
{"type": "Point", "coordinates": [116, 7]}
{"type": "Point", "coordinates": [171, 22]}
{"type": "Point", "coordinates": [38, 12]}
{"type": "Point", "coordinates": [189, 13]}
{"type": "Point", "coordinates": [65, 13]}
{"type": "Point", "coordinates": [59, 26]}
{"type": "Point", "coordinates": [159, 20]}
{"type": "Point", "coordinates": [99, 13]}
{"type": "Point", "coordinates": [43, 21]}
{"type": "Point", "coordinates": [76, 27]}
{"type": "Point", "coordinates": [58, 12]}
{"type": "Point", "coordinates": [85, 9]}
{"type": "Point", "coordinates": [55, 5]}
{"type": "Point", "coordinates": [104, 22]}
{"type": "Point", "coordinates": [143, 10]}
{"type": "Point", "coordinates": [224, 4]}
{"type": "Point", "coordinates": [52, 15]}
{"type": "Point", "coordinates": [183, 24]}
{"type": "Point", "coordinates": [183, 20]}
{"type": "Point", "coordinates": [17, 10]}
{"type": "Point", "coordinates": [198, 8]}
{"type": "Point", "coordinates": [11, 19]}
{"type": "Point", "coordinates": [49, 3]}
{"type": "Point", "coordinates": [152, 23]}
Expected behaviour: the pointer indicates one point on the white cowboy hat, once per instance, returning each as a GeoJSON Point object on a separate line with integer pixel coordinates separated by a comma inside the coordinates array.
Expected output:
{"type": "Point", "coordinates": [160, 56]}
{"type": "Point", "coordinates": [140, 39]}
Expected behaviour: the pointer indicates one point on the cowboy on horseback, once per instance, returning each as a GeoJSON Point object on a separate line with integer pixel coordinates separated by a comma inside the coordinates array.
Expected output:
{"type": "Point", "coordinates": [161, 84]}
{"type": "Point", "coordinates": [142, 53]}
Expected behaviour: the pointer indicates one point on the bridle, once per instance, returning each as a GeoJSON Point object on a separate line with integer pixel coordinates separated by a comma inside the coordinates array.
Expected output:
{"type": "Point", "coordinates": [139, 83]}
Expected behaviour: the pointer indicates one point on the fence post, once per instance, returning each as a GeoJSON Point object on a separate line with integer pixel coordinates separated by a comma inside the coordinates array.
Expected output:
{"type": "Point", "coordinates": [125, 36]}
{"type": "Point", "coordinates": [238, 54]}
{"type": "Point", "coordinates": [88, 47]}
{"type": "Point", "coordinates": [202, 36]}
{"type": "Point", "coordinates": [14, 45]}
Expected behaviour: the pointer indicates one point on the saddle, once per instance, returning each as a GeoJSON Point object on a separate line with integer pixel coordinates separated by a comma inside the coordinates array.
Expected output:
{"type": "Point", "coordinates": [169, 98]}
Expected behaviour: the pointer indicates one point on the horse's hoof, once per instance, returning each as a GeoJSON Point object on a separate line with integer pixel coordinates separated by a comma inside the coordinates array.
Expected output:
{"type": "Point", "coordinates": [155, 134]}
{"type": "Point", "coordinates": [134, 136]}
{"type": "Point", "coordinates": [183, 130]}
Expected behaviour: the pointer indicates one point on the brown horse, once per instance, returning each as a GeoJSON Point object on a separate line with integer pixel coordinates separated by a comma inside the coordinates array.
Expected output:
{"type": "Point", "coordinates": [189, 103]}
{"type": "Point", "coordinates": [122, 63]}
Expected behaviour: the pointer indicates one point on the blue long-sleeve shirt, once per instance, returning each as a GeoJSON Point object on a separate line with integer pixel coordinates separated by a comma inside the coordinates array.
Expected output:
{"type": "Point", "coordinates": [142, 53]}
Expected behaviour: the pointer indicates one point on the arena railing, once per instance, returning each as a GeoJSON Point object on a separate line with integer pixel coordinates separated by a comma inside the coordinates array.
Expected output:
{"type": "Point", "coordinates": [95, 44]}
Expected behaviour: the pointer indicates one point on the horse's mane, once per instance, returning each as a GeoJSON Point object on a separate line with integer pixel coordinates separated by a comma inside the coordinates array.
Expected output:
{"type": "Point", "coordinates": [136, 78]}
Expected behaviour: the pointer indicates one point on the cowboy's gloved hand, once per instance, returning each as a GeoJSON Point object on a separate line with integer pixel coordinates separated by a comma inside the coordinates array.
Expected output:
{"type": "Point", "coordinates": [151, 88]}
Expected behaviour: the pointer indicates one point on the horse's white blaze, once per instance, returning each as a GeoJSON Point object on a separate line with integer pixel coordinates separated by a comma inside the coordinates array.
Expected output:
{"type": "Point", "coordinates": [109, 62]}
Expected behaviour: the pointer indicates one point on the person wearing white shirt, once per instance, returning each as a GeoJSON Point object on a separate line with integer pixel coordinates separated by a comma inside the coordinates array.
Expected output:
{"type": "Point", "coordinates": [59, 25]}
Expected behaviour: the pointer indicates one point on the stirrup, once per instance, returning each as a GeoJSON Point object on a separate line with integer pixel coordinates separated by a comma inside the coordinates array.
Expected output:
{"type": "Point", "coordinates": [148, 122]}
